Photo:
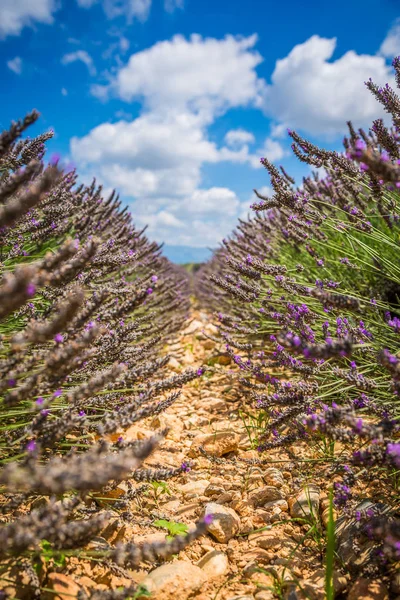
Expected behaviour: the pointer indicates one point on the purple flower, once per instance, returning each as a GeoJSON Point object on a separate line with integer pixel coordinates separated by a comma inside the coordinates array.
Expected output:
{"type": "Point", "coordinates": [208, 519]}
{"type": "Point", "coordinates": [154, 278]}
{"type": "Point", "coordinates": [200, 372]}
{"type": "Point", "coordinates": [82, 413]}
{"type": "Point", "coordinates": [58, 338]}
{"type": "Point", "coordinates": [30, 289]}
{"type": "Point", "coordinates": [149, 290]}
{"type": "Point", "coordinates": [57, 393]}
{"type": "Point", "coordinates": [31, 446]}
{"type": "Point", "coordinates": [393, 451]}
{"type": "Point", "coordinates": [39, 401]}
{"type": "Point", "coordinates": [54, 159]}
{"type": "Point", "coordinates": [185, 467]}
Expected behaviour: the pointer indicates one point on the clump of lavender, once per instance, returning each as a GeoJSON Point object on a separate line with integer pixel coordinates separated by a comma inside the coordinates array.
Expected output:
{"type": "Point", "coordinates": [309, 289]}
{"type": "Point", "coordinates": [86, 303]}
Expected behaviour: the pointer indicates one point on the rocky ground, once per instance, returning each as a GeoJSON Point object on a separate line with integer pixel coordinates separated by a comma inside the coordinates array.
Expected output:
{"type": "Point", "coordinates": [253, 549]}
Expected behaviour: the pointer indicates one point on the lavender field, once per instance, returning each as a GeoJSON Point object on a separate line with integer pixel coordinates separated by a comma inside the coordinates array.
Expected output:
{"type": "Point", "coordinates": [218, 429]}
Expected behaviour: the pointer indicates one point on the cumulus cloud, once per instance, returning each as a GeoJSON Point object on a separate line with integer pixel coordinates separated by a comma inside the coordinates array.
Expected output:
{"type": "Point", "coordinates": [15, 64]}
{"type": "Point", "coordinates": [238, 137]}
{"type": "Point", "coordinates": [316, 95]}
{"type": "Point", "coordinates": [16, 14]}
{"type": "Point", "coordinates": [156, 159]}
{"type": "Point", "coordinates": [390, 46]}
{"type": "Point", "coordinates": [156, 162]}
{"type": "Point", "coordinates": [82, 56]}
{"type": "Point", "coordinates": [171, 5]}
{"type": "Point", "coordinates": [204, 75]}
{"type": "Point", "coordinates": [64, 91]}
{"type": "Point", "coordinates": [130, 9]}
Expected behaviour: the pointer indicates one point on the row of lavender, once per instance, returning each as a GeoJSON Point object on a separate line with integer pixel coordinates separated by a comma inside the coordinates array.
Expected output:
{"type": "Point", "coordinates": [86, 303]}
{"type": "Point", "coordinates": [307, 297]}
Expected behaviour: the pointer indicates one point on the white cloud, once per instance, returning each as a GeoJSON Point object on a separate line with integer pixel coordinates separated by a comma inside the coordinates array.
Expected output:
{"type": "Point", "coordinates": [157, 163]}
{"type": "Point", "coordinates": [15, 64]}
{"type": "Point", "coordinates": [86, 3]}
{"type": "Point", "coordinates": [271, 149]}
{"type": "Point", "coordinates": [64, 91]}
{"type": "Point", "coordinates": [238, 137]}
{"type": "Point", "coordinates": [317, 96]}
{"type": "Point", "coordinates": [199, 219]}
{"type": "Point", "coordinates": [278, 130]}
{"type": "Point", "coordinates": [171, 5]}
{"type": "Point", "coordinates": [390, 46]}
{"type": "Point", "coordinates": [206, 76]}
{"type": "Point", "coordinates": [156, 159]}
{"type": "Point", "coordinates": [82, 56]}
{"type": "Point", "coordinates": [130, 9]}
{"type": "Point", "coordinates": [124, 44]}
{"type": "Point", "coordinates": [123, 115]}
{"type": "Point", "coordinates": [16, 14]}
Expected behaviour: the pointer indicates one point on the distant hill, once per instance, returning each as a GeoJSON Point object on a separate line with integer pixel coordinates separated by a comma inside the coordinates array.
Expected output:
{"type": "Point", "coordinates": [186, 254]}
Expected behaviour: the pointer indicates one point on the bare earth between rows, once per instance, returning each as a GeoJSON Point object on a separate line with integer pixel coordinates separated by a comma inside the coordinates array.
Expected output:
{"type": "Point", "coordinates": [234, 561]}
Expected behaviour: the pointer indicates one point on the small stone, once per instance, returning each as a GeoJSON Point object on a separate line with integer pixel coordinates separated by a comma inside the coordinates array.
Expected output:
{"type": "Point", "coordinates": [213, 490]}
{"type": "Point", "coordinates": [86, 582]}
{"type": "Point", "coordinates": [214, 564]}
{"type": "Point", "coordinates": [265, 494]}
{"type": "Point", "coordinates": [175, 580]}
{"type": "Point", "coordinates": [224, 359]}
{"type": "Point", "coordinates": [314, 585]}
{"type": "Point", "coordinates": [224, 498]}
{"type": "Point", "coordinates": [188, 358]}
{"type": "Point", "coordinates": [192, 327]}
{"type": "Point", "coordinates": [171, 506]}
{"type": "Point", "coordinates": [167, 421]}
{"type": "Point", "coordinates": [195, 487]}
{"type": "Point", "coordinates": [225, 523]}
{"type": "Point", "coordinates": [62, 586]}
{"type": "Point", "coordinates": [208, 344]}
{"type": "Point", "coordinates": [274, 477]}
{"type": "Point", "coordinates": [266, 539]}
{"type": "Point", "coordinates": [264, 595]}
{"type": "Point", "coordinates": [368, 590]}
{"type": "Point", "coordinates": [306, 503]}
{"type": "Point", "coordinates": [214, 404]}
{"type": "Point", "coordinates": [174, 365]}
{"type": "Point", "coordinates": [216, 444]}
{"type": "Point", "coordinates": [114, 532]}
{"type": "Point", "coordinates": [281, 504]}
{"type": "Point", "coordinates": [185, 509]}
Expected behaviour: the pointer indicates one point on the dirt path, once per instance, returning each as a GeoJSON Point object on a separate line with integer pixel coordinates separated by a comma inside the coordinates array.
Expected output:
{"type": "Point", "coordinates": [226, 563]}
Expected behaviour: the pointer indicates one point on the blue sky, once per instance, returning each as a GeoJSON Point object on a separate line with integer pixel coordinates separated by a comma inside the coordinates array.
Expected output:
{"type": "Point", "coordinates": [172, 102]}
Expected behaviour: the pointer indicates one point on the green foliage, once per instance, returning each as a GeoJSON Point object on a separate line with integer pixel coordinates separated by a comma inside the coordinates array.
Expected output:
{"type": "Point", "coordinates": [174, 528]}
{"type": "Point", "coordinates": [330, 552]}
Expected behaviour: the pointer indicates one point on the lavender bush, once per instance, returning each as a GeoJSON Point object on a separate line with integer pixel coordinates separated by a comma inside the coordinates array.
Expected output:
{"type": "Point", "coordinates": [307, 297]}
{"type": "Point", "coordinates": [86, 302]}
